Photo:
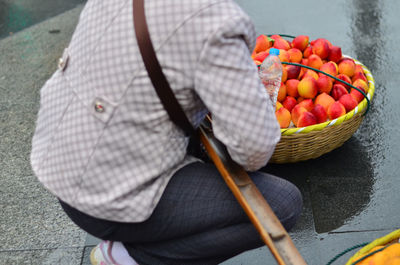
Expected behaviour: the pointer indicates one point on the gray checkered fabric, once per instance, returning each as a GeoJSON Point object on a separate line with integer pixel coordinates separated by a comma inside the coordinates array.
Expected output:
{"type": "Point", "coordinates": [104, 143]}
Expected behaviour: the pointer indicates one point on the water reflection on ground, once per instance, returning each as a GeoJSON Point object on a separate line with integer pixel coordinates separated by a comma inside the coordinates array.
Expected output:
{"type": "Point", "coordinates": [334, 183]}
{"type": "Point", "coordinates": [354, 187]}
{"type": "Point", "coordinates": [12, 18]}
{"type": "Point", "coordinates": [17, 15]}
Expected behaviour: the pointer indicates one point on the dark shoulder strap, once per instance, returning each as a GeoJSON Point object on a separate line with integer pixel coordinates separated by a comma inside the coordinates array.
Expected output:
{"type": "Point", "coordinates": [158, 79]}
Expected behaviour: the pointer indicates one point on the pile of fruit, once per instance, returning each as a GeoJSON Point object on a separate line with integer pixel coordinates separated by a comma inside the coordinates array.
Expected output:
{"type": "Point", "coordinates": [307, 97]}
{"type": "Point", "coordinates": [388, 256]}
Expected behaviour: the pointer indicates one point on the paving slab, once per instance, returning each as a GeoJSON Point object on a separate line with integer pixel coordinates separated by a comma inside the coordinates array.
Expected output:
{"type": "Point", "coordinates": [350, 195]}
{"type": "Point", "coordinates": [317, 249]}
{"type": "Point", "coordinates": [17, 15]}
{"type": "Point", "coordinates": [86, 256]}
{"type": "Point", "coordinates": [33, 228]}
{"type": "Point", "coordinates": [16, 128]}
{"type": "Point", "coordinates": [58, 256]}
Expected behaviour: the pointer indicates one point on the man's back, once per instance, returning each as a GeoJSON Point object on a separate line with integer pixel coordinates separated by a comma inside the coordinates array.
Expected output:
{"type": "Point", "coordinates": [105, 145]}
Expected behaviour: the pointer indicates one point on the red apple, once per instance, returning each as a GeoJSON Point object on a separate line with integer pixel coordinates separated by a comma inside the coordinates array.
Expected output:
{"type": "Point", "coordinates": [291, 87]}
{"type": "Point", "coordinates": [300, 42]}
{"type": "Point", "coordinates": [320, 113]}
{"type": "Point", "coordinates": [321, 48]}
{"type": "Point", "coordinates": [336, 110]}
{"type": "Point", "coordinates": [306, 119]}
{"type": "Point", "coordinates": [348, 102]}
{"type": "Point", "coordinates": [344, 78]}
{"type": "Point", "coordinates": [307, 88]}
{"type": "Point", "coordinates": [289, 103]}
{"type": "Point", "coordinates": [324, 84]}
{"type": "Point", "coordinates": [335, 54]}
{"type": "Point", "coordinates": [356, 94]}
{"type": "Point", "coordinates": [338, 91]}
{"type": "Point", "coordinates": [293, 71]}
{"type": "Point", "coordinates": [307, 103]}
{"type": "Point", "coordinates": [296, 112]}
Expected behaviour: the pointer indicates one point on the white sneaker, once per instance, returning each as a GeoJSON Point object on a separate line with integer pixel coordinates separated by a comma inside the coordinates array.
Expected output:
{"type": "Point", "coordinates": [101, 254]}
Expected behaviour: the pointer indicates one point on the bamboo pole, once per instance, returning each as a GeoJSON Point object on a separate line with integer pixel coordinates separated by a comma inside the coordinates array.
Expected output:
{"type": "Point", "coordinates": [253, 203]}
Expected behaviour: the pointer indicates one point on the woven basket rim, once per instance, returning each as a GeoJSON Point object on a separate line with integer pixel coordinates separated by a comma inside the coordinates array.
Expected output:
{"type": "Point", "coordinates": [361, 107]}
{"type": "Point", "coordinates": [394, 235]}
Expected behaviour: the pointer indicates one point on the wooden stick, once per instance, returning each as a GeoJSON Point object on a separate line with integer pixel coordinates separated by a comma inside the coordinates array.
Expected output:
{"type": "Point", "coordinates": [253, 203]}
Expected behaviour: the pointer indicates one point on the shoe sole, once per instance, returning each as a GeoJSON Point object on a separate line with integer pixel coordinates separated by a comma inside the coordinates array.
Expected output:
{"type": "Point", "coordinates": [92, 259]}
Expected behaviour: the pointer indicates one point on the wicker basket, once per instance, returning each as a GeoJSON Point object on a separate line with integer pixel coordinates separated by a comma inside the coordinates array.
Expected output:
{"type": "Point", "coordinates": [299, 144]}
{"type": "Point", "coordinates": [393, 237]}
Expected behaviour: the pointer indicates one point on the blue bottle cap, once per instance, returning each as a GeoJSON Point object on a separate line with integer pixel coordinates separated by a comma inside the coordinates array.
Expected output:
{"type": "Point", "coordinates": [273, 51]}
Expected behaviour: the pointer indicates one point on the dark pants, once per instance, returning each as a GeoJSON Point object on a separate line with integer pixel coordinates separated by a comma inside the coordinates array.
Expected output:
{"type": "Point", "coordinates": [197, 221]}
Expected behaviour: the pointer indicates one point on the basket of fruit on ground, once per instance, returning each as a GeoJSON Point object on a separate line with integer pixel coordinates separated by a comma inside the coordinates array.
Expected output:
{"type": "Point", "coordinates": [322, 99]}
{"type": "Point", "coordinates": [383, 250]}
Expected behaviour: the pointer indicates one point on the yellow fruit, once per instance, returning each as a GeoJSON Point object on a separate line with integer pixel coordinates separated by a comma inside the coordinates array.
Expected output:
{"type": "Point", "coordinates": [367, 260]}
{"type": "Point", "coordinates": [383, 257]}
{"type": "Point", "coordinates": [393, 261]}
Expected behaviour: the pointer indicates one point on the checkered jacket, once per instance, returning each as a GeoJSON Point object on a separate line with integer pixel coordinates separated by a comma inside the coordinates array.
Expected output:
{"type": "Point", "coordinates": [104, 143]}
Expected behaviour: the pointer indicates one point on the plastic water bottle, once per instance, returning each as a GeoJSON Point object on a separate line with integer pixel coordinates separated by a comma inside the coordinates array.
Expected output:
{"type": "Point", "coordinates": [270, 73]}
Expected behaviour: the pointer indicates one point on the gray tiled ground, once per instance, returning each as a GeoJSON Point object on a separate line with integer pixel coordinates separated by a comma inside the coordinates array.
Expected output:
{"type": "Point", "coordinates": [86, 256]}
{"type": "Point", "coordinates": [59, 256]}
{"type": "Point", "coordinates": [16, 15]}
{"type": "Point", "coordinates": [33, 228]}
{"type": "Point", "coordinates": [350, 195]}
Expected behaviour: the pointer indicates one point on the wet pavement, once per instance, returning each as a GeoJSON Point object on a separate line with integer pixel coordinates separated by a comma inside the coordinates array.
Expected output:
{"type": "Point", "coordinates": [16, 15]}
{"type": "Point", "coordinates": [351, 195]}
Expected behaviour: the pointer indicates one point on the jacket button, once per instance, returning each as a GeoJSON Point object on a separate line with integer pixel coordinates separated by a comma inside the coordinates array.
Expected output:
{"type": "Point", "coordinates": [98, 107]}
{"type": "Point", "coordinates": [62, 63]}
